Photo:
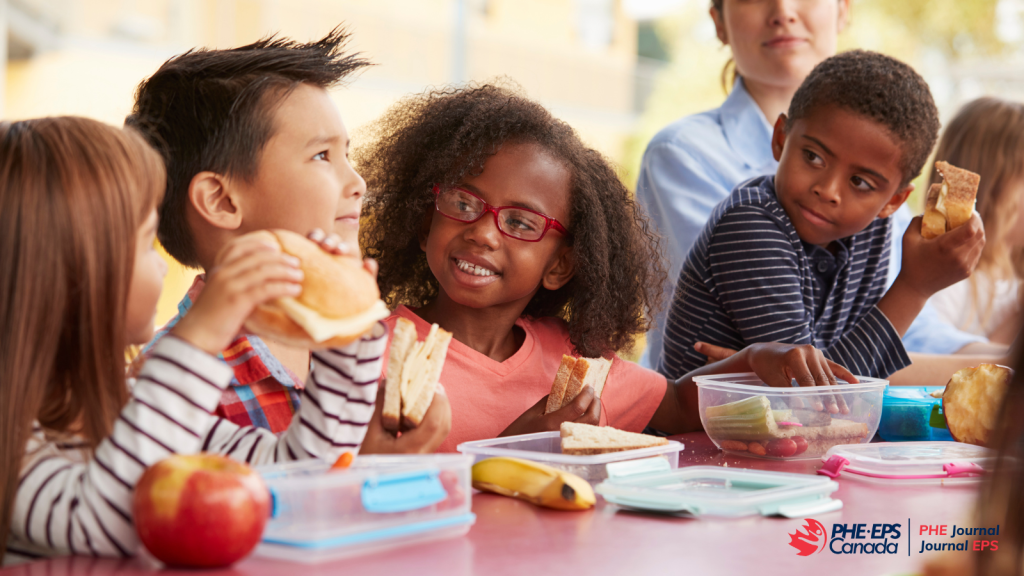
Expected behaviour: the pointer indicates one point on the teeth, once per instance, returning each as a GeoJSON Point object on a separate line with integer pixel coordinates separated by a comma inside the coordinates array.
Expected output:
{"type": "Point", "coordinates": [473, 268]}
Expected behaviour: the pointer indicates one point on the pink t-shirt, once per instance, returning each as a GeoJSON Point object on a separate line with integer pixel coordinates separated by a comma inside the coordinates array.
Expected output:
{"type": "Point", "coordinates": [486, 396]}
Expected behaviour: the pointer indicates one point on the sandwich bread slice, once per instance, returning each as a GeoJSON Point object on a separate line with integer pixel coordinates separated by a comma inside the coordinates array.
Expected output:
{"type": "Point", "coordinates": [574, 374]}
{"type": "Point", "coordinates": [584, 439]}
{"type": "Point", "coordinates": [949, 205]}
{"type": "Point", "coordinates": [413, 371]}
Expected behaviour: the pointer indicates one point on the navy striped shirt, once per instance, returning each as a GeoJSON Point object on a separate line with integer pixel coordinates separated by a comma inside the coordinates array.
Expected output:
{"type": "Point", "coordinates": [750, 278]}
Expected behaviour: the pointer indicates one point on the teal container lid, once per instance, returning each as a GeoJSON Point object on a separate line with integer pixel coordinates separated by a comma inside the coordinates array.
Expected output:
{"type": "Point", "coordinates": [719, 491]}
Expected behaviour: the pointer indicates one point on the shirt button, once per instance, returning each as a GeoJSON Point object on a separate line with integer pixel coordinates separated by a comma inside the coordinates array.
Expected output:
{"type": "Point", "coordinates": [823, 267]}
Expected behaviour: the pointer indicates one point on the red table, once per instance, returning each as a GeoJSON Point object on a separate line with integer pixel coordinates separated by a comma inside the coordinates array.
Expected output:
{"type": "Point", "coordinates": [513, 537]}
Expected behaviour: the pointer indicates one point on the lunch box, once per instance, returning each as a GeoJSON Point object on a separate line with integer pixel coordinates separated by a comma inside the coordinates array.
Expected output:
{"type": "Point", "coordinates": [911, 413]}
{"type": "Point", "coordinates": [718, 491]}
{"type": "Point", "coordinates": [745, 417]}
{"type": "Point", "coordinates": [910, 462]}
{"type": "Point", "coordinates": [378, 503]}
{"type": "Point", "coordinates": [546, 448]}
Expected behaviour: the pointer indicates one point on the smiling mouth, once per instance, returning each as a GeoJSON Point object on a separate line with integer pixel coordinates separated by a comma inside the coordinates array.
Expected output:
{"type": "Point", "coordinates": [473, 269]}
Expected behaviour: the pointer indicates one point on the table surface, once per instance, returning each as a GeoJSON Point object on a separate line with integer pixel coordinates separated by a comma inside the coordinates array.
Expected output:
{"type": "Point", "coordinates": [514, 537]}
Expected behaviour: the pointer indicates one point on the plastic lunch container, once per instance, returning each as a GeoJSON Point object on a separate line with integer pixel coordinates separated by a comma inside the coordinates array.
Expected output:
{"type": "Point", "coordinates": [380, 502]}
{"type": "Point", "coordinates": [743, 416]}
{"type": "Point", "coordinates": [546, 448]}
{"type": "Point", "coordinates": [718, 491]}
{"type": "Point", "coordinates": [909, 462]}
{"type": "Point", "coordinates": [911, 413]}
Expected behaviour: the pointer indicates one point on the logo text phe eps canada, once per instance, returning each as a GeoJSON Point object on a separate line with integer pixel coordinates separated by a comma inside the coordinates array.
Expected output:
{"type": "Point", "coordinates": [846, 538]}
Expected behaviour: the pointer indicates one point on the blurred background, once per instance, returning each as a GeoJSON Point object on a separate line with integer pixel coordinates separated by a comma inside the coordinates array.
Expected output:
{"type": "Point", "coordinates": [617, 70]}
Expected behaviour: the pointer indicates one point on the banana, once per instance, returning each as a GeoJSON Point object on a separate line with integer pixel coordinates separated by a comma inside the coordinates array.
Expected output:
{"type": "Point", "coordinates": [533, 482]}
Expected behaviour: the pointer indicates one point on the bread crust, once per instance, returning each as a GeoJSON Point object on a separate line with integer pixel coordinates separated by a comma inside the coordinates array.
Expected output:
{"type": "Point", "coordinates": [402, 339]}
{"type": "Point", "coordinates": [962, 190]}
{"type": "Point", "coordinates": [560, 384]}
{"type": "Point", "coordinates": [933, 223]}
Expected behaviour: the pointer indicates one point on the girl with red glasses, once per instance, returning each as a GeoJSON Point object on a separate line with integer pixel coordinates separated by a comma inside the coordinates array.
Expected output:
{"type": "Point", "coordinates": [491, 218]}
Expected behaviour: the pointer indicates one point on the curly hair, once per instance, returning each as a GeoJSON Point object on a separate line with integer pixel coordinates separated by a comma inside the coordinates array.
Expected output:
{"type": "Point", "coordinates": [443, 135]}
{"type": "Point", "coordinates": [881, 88]}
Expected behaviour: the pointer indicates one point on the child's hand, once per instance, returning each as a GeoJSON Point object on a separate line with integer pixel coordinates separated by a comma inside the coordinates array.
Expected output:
{"type": "Point", "coordinates": [585, 409]}
{"type": "Point", "coordinates": [778, 364]}
{"type": "Point", "coordinates": [249, 271]}
{"type": "Point", "coordinates": [714, 353]}
{"type": "Point", "coordinates": [332, 244]}
{"type": "Point", "coordinates": [423, 439]}
{"type": "Point", "coordinates": [931, 265]}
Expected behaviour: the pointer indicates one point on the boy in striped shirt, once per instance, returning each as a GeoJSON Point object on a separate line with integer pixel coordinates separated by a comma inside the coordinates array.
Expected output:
{"type": "Point", "coordinates": [801, 256]}
{"type": "Point", "coordinates": [252, 141]}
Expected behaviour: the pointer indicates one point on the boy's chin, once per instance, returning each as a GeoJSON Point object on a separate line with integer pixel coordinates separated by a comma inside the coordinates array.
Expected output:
{"type": "Point", "coordinates": [349, 232]}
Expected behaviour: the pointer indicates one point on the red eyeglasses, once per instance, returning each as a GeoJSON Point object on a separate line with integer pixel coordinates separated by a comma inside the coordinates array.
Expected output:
{"type": "Point", "coordinates": [519, 223]}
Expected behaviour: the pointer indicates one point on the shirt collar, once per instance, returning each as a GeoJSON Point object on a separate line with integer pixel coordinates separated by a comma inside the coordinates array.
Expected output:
{"type": "Point", "coordinates": [746, 129]}
{"type": "Point", "coordinates": [248, 355]}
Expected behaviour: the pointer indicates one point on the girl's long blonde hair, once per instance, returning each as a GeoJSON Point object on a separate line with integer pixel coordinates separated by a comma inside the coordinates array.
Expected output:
{"type": "Point", "coordinates": [987, 137]}
{"type": "Point", "coordinates": [73, 193]}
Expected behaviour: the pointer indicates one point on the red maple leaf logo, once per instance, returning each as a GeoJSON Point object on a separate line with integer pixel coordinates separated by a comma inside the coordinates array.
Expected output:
{"type": "Point", "coordinates": [814, 540]}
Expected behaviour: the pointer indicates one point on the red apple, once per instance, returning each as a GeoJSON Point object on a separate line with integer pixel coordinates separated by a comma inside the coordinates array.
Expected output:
{"type": "Point", "coordinates": [200, 510]}
{"type": "Point", "coordinates": [972, 400]}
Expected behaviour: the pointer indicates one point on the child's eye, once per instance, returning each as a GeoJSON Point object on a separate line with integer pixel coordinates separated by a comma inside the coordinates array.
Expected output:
{"type": "Point", "coordinates": [861, 184]}
{"type": "Point", "coordinates": [514, 223]}
{"type": "Point", "coordinates": [812, 158]}
{"type": "Point", "coordinates": [321, 155]}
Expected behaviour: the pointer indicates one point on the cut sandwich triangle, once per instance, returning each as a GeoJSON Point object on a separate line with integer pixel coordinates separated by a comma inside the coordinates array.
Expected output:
{"type": "Point", "coordinates": [584, 437]}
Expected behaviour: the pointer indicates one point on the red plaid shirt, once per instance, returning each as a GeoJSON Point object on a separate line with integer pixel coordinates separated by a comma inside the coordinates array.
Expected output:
{"type": "Point", "coordinates": [263, 392]}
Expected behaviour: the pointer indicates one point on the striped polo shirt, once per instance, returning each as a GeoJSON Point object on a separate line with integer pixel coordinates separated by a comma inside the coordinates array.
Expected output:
{"type": "Point", "coordinates": [750, 278]}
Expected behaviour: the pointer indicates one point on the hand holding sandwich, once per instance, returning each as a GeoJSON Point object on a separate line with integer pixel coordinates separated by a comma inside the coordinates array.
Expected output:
{"type": "Point", "coordinates": [423, 439]}
{"type": "Point", "coordinates": [929, 265]}
{"type": "Point", "coordinates": [250, 271]}
{"type": "Point", "coordinates": [584, 409]}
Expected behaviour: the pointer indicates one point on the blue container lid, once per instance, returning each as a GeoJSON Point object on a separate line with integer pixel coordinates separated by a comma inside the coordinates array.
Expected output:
{"type": "Point", "coordinates": [910, 396]}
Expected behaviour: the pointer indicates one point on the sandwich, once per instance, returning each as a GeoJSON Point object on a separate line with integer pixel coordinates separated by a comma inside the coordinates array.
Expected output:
{"type": "Point", "coordinates": [573, 375]}
{"type": "Point", "coordinates": [949, 204]}
{"type": "Point", "coordinates": [339, 302]}
{"type": "Point", "coordinates": [752, 425]}
{"type": "Point", "coordinates": [584, 439]}
{"type": "Point", "coordinates": [414, 369]}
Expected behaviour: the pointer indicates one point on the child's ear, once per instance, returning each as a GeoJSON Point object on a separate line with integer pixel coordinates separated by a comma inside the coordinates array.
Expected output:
{"type": "Point", "coordinates": [779, 137]}
{"type": "Point", "coordinates": [211, 196]}
{"type": "Point", "coordinates": [561, 270]}
{"type": "Point", "coordinates": [896, 201]}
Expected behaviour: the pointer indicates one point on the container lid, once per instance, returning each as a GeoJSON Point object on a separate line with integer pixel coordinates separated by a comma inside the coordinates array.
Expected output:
{"type": "Point", "coordinates": [910, 395]}
{"type": "Point", "coordinates": [749, 382]}
{"type": "Point", "coordinates": [899, 461]}
{"type": "Point", "coordinates": [718, 491]}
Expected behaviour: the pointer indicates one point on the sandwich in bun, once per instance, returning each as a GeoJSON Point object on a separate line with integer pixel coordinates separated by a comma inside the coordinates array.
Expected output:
{"type": "Point", "coordinates": [949, 204]}
{"type": "Point", "coordinates": [414, 369]}
{"type": "Point", "coordinates": [339, 302]}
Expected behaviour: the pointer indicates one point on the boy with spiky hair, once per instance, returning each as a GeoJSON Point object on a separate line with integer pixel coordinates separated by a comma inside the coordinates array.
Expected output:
{"type": "Point", "coordinates": [253, 141]}
{"type": "Point", "coordinates": [801, 256]}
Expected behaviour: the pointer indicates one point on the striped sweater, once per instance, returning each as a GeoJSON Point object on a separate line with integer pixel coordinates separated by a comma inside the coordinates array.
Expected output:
{"type": "Point", "coordinates": [750, 278]}
{"type": "Point", "coordinates": [72, 502]}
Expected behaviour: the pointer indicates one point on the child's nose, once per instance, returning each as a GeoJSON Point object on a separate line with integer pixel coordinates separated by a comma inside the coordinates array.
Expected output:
{"type": "Point", "coordinates": [828, 191]}
{"type": "Point", "coordinates": [484, 231]}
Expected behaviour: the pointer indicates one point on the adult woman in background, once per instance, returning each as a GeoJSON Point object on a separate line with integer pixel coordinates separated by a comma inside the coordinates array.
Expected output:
{"type": "Point", "coordinates": [694, 163]}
